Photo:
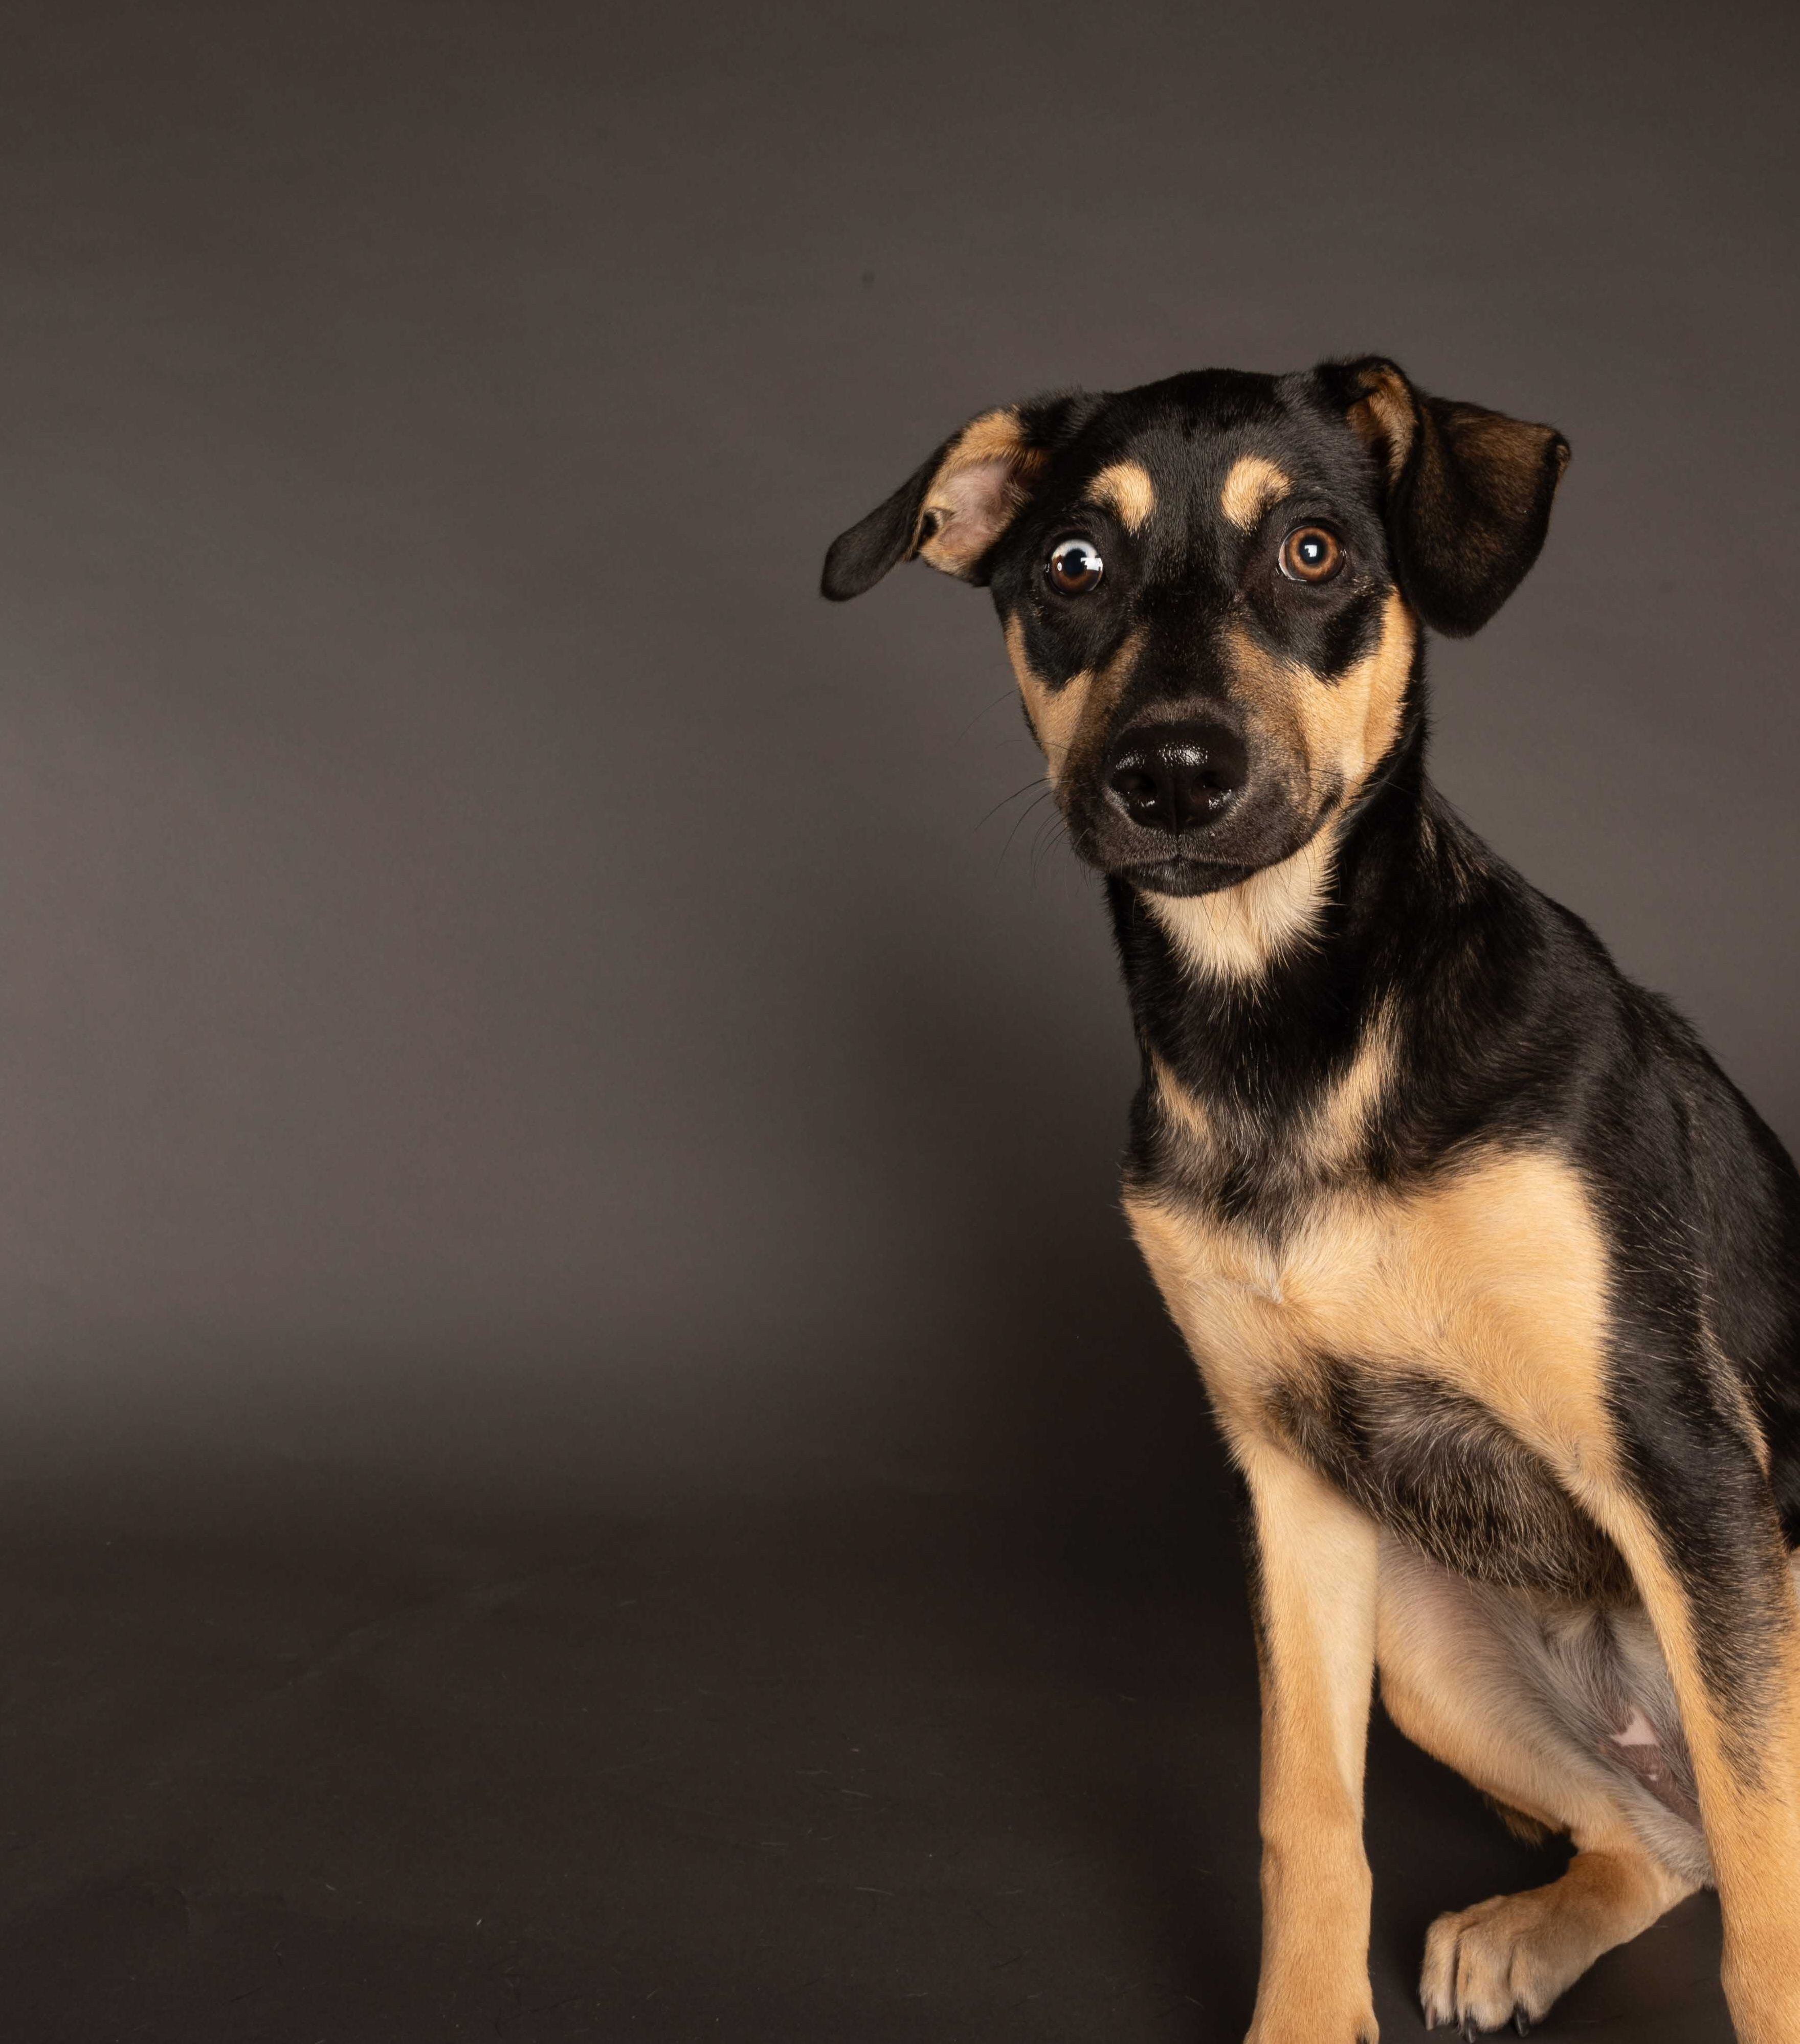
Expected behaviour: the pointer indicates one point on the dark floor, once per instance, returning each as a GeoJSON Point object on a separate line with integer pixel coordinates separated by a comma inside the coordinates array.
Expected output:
{"type": "Point", "coordinates": [316, 1759]}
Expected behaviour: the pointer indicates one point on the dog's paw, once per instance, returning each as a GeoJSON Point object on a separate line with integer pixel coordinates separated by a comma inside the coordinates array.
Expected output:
{"type": "Point", "coordinates": [1496, 1967]}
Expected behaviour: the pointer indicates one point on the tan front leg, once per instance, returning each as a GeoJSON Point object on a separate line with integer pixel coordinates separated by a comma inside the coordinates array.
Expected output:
{"type": "Point", "coordinates": [1315, 1591]}
{"type": "Point", "coordinates": [1731, 1637]}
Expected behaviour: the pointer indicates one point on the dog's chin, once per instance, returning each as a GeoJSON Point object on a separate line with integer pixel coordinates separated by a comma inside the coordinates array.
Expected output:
{"type": "Point", "coordinates": [1182, 876]}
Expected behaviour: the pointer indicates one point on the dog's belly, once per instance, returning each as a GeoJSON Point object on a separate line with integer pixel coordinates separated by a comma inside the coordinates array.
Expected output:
{"type": "Point", "coordinates": [1438, 1353]}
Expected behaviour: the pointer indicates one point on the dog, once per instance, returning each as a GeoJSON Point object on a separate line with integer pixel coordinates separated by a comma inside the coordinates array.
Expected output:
{"type": "Point", "coordinates": [1492, 1277]}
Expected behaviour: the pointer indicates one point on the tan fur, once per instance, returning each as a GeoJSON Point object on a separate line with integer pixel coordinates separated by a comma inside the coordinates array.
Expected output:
{"type": "Point", "coordinates": [1068, 720]}
{"type": "Point", "coordinates": [1492, 1281]}
{"type": "Point", "coordinates": [1383, 417]}
{"type": "Point", "coordinates": [1055, 713]}
{"type": "Point", "coordinates": [1521, 1951]}
{"type": "Point", "coordinates": [1316, 1637]}
{"type": "Point", "coordinates": [1184, 1111]}
{"type": "Point", "coordinates": [1333, 1137]}
{"type": "Point", "coordinates": [1351, 725]}
{"type": "Point", "coordinates": [1327, 735]}
{"type": "Point", "coordinates": [976, 493]}
{"type": "Point", "coordinates": [1252, 486]}
{"type": "Point", "coordinates": [1126, 490]}
{"type": "Point", "coordinates": [1238, 933]}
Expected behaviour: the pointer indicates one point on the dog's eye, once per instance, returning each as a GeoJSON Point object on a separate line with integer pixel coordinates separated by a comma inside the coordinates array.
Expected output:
{"type": "Point", "coordinates": [1310, 553]}
{"type": "Point", "coordinates": [1075, 566]}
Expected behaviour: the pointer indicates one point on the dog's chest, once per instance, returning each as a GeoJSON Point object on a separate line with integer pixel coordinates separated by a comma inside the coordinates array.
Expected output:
{"type": "Point", "coordinates": [1439, 1469]}
{"type": "Point", "coordinates": [1437, 1354]}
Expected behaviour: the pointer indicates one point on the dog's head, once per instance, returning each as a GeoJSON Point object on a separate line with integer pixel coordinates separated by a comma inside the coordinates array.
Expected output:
{"type": "Point", "coordinates": [1212, 589]}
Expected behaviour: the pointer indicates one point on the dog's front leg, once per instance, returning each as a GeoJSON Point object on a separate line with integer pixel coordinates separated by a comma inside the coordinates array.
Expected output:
{"type": "Point", "coordinates": [1315, 1588]}
{"type": "Point", "coordinates": [1713, 1569]}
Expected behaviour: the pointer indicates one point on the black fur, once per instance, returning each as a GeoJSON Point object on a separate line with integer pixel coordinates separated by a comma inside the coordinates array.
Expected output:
{"type": "Point", "coordinates": [860, 557]}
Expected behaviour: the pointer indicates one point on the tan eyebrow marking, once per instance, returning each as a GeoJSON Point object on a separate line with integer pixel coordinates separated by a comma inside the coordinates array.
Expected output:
{"type": "Point", "coordinates": [1126, 488]}
{"type": "Point", "coordinates": [1252, 486]}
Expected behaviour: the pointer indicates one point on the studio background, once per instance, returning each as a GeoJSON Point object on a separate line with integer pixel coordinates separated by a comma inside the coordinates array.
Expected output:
{"type": "Point", "coordinates": [534, 1051]}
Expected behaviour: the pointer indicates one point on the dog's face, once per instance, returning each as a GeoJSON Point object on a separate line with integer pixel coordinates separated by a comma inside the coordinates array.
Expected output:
{"type": "Point", "coordinates": [1212, 589]}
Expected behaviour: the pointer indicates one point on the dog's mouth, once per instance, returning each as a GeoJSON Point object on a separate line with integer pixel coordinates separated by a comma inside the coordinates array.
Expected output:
{"type": "Point", "coordinates": [1182, 875]}
{"type": "Point", "coordinates": [1254, 834]}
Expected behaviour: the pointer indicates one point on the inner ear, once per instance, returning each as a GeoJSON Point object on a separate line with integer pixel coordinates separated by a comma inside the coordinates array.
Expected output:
{"type": "Point", "coordinates": [985, 476]}
{"type": "Point", "coordinates": [966, 511]}
{"type": "Point", "coordinates": [951, 510]}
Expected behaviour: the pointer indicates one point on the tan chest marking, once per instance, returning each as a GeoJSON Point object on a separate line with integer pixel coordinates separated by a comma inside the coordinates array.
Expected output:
{"type": "Point", "coordinates": [1494, 1283]}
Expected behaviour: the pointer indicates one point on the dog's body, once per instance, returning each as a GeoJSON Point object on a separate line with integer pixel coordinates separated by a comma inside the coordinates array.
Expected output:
{"type": "Point", "coordinates": [1493, 1278]}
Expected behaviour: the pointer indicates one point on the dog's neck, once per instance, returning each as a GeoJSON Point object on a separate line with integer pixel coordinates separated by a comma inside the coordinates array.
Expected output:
{"type": "Point", "coordinates": [1261, 993]}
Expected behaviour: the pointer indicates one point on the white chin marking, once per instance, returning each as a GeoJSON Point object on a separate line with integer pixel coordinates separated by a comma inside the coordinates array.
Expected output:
{"type": "Point", "coordinates": [1238, 933]}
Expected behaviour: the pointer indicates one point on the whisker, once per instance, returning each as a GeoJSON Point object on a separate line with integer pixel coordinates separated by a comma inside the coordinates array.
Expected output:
{"type": "Point", "coordinates": [987, 710]}
{"type": "Point", "coordinates": [1023, 813]}
{"type": "Point", "coordinates": [1038, 781]}
{"type": "Point", "coordinates": [1046, 837]}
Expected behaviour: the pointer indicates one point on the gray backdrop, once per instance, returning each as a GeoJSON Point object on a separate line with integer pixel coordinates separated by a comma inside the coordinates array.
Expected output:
{"type": "Point", "coordinates": [499, 977]}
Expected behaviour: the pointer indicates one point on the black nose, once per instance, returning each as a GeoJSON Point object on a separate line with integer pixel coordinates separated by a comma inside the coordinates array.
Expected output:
{"type": "Point", "coordinates": [1177, 776]}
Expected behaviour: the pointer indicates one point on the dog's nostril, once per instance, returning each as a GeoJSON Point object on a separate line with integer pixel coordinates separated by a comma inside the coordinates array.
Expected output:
{"type": "Point", "coordinates": [1140, 790]}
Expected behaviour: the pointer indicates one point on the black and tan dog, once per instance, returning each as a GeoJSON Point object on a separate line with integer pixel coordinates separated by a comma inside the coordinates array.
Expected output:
{"type": "Point", "coordinates": [1493, 1278]}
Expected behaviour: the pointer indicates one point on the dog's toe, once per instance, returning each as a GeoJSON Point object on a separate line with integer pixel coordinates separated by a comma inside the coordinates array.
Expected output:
{"type": "Point", "coordinates": [1491, 1967]}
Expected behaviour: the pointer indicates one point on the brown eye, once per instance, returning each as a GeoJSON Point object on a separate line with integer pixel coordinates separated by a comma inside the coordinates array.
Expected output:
{"type": "Point", "coordinates": [1310, 553]}
{"type": "Point", "coordinates": [1075, 566]}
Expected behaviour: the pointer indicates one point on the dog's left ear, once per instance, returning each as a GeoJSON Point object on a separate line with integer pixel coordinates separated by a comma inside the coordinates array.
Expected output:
{"type": "Point", "coordinates": [948, 511]}
{"type": "Point", "coordinates": [1468, 490]}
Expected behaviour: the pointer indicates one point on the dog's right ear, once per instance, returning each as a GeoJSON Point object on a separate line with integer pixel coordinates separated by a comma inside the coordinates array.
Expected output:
{"type": "Point", "coordinates": [950, 511]}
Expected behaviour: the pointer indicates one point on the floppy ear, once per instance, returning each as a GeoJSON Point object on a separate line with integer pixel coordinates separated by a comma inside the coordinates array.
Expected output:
{"type": "Point", "coordinates": [1468, 491]}
{"type": "Point", "coordinates": [950, 511]}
